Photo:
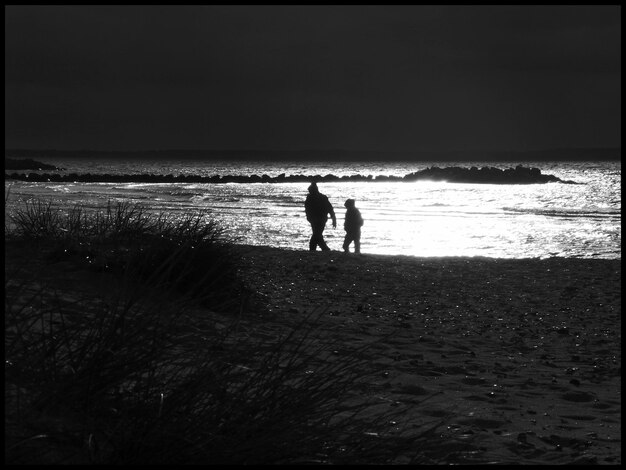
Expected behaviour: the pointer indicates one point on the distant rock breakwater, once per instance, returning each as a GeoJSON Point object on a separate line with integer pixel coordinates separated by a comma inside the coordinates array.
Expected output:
{"type": "Point", "coordinates": [484, 175]}
{"type": "Point", "coordinates": [27, 164]}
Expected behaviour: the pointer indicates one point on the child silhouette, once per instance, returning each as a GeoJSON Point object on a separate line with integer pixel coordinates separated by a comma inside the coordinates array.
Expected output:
{"type": "Point", "coordinates": [352, 225]}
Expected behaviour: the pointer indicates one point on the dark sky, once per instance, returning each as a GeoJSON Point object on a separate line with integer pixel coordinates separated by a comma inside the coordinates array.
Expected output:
{"type": "Point", "coordinates": [300, 77]}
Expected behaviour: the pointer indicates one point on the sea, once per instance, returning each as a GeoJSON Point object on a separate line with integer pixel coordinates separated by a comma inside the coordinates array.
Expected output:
{"type": "Point", "coordinates": [418, 218]}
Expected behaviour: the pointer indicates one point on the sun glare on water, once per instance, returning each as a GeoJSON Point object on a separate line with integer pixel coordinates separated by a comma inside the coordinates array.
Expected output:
{"type": "Point", "coordinates": [419, 218]}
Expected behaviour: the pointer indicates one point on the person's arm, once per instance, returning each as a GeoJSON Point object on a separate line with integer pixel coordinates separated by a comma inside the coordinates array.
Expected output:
{"type": "Point", "coordinates": [331, 211]}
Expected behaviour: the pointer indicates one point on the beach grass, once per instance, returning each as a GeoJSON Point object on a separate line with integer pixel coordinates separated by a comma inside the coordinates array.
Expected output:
{"type": "Point", "coordinates": [131, 339]}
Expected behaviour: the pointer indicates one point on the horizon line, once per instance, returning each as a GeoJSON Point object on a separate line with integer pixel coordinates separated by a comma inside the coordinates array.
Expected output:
{"type": "Point", "coordinates": [325, 150]}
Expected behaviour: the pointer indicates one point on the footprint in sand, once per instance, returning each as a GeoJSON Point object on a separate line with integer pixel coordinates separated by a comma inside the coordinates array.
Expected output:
{"type": "Point", "coordinates": [578, 417]}
{"type": "Point", "coordinates": [482, 423]}
{"type": "Point", "coordinates": [410, 385]}
{"type": "Point", "coordinates": [436, 413]}
{"type": "Point", "coordinates": [578, 397]}
{"type": "Point", "coordinates": [474, 381]}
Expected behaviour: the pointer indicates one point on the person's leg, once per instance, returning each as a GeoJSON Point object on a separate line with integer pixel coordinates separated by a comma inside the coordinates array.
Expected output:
{"type": "Point", "coordinates": [357, 242]}
{"type": "Point", "coordinates": [318, 236]}
{"type": "Point", "coordinates": [315, 237]}
{"type": "Point", "coordinates": [312, 243]}
{"type": "Point", "coordinates": [320, 241]}
{"type": "Point", "coordinates": [346, 243]}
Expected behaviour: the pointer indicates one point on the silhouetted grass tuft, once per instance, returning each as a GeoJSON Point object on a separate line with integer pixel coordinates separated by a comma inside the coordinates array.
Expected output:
{"type": "Point", "coordinates": [190, 253]}
{"type": "Point", "coordinates": [150, 364]}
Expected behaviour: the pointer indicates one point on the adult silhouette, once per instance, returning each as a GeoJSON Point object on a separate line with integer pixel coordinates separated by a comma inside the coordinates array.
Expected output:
{"type": "Point", "coordinates": [317, 208]}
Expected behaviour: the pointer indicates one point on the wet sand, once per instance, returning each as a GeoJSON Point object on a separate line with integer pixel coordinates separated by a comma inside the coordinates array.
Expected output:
{"type": "Point", "coordinates": [520, 360]}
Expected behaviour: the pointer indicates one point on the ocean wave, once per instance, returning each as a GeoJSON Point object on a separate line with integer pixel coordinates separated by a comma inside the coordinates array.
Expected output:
{"type": "Point", "coordinates": [277, 197]}
{"type": "Point", "coordinates": [213, 198]}
{"type": "Point", "coordinates": [436, 204]}
{"type": "Point", "coordinates": [565, 213]}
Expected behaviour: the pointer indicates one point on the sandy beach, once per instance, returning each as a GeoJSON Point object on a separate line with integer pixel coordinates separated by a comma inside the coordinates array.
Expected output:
{"type": "Point", "coordinates": [520, 359]}
{"type": "Point", "coordinates": [513, 361]}
{"type": "Point", "coordinates": [167, 165]}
